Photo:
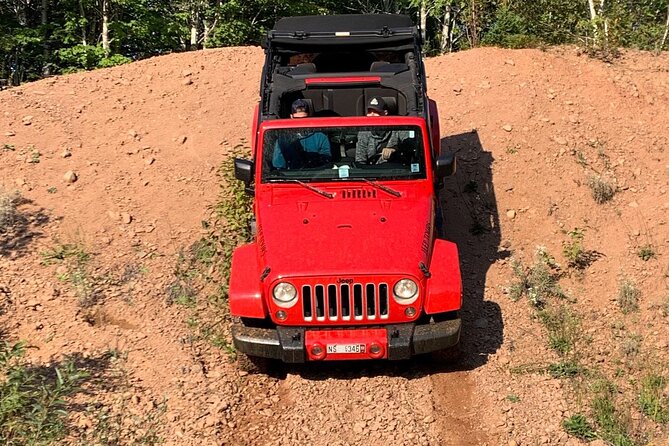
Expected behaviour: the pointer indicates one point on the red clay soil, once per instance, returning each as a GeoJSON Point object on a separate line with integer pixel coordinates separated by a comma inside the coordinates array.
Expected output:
{"type": "Point", "coordinates": [530, 130]}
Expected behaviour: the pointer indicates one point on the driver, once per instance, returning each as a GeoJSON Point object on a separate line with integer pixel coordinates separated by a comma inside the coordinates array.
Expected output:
{"type": "Point", "coordinates": [301, 149]}
{"type": "Point", "coordinates": [376, 146]}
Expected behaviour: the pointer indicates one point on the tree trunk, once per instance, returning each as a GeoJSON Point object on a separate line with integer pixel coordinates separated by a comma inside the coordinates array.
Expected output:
{"type": "Point", "coordinates": [194, 25]}
{"type": "Point", "coordinates": [46, 67]}
{"type": "Point", "coordinates": [423, 20]}
{"type": "Point", "coordinates": [593, 18]}
{"type": "Point", "coordinates": [446, 31]}
{"type": "Point", "coordinates": [666, 31]}
{"type": "Point", "coordinates": [84, 40]}
{"type": "Point", "coordinates": [606, 22]}
{"type": "Point", "coordinates": [105, 27]}
{"type": "Point", "coordinates": [474, 25]}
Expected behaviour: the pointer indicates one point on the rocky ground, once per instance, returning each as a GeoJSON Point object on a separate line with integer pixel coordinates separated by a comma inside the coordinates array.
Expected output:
{"type": "Point", "coordinates": [121, 165]}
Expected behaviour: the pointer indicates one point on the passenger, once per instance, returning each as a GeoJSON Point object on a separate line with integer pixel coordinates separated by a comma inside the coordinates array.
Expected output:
{"type": "Point", "coordinates": [376, 147]}
{"type": "Point", "coordinates": [301, 149]}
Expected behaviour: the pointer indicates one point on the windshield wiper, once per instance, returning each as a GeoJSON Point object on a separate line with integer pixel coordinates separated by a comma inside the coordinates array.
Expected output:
{"type": "Point", "coordinates": [392, 192]}
{"type": "Point", "coordinates": [311, 188]}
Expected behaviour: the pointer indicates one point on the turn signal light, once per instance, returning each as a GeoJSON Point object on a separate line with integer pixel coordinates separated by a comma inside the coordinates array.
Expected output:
{"type": "Point", "coordinates": [281, 315]}
{"type": "Point", "coordinates": [410, 312]}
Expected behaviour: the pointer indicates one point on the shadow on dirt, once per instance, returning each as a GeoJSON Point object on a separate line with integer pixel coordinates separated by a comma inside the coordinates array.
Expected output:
{"type": "Point", "coordinates": [23, 229]}
{"type": "Point", "coordinates": [471, 220]}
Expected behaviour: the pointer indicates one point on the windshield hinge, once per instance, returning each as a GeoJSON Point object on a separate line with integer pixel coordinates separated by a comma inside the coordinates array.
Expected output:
{"type": "Point", "coordinates": [426, 272]}
{"type": "Point", "coordinates": [265, 273]}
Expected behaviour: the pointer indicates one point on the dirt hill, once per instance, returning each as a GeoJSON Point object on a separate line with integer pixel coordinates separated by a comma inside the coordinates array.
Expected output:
{"type": "Point", "coordinates": [538, 135]}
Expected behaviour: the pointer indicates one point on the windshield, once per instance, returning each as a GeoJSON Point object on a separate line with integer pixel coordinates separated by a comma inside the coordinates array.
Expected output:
{"type": "Point", "coordinates": [343, 153]}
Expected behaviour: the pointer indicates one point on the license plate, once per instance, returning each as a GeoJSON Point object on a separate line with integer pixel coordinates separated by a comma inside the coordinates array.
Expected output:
{"type": "Point", "coordinates": [346, 348]}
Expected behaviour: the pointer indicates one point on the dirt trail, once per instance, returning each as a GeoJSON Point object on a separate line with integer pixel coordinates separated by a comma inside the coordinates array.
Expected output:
{"type": "Point", "coordinates": [146, 139]}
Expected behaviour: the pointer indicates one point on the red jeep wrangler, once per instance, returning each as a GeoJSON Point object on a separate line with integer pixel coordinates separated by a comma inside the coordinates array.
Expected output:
{"type": "Point", "coordinates": [347, 261]}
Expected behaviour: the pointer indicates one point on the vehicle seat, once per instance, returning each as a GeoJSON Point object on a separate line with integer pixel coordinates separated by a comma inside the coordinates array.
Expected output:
{"type": "Point", "coordinates": [304, 68]}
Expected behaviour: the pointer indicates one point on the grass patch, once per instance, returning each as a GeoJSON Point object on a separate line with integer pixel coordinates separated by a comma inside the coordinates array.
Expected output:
{"type": "Point", "coordinates": [574, 252]}
{"type": "Point", "coordinates": [204, 268]}
{"type": "Point", "coordinates": [631, 344]}
{"type": "Point", "coordinates": [76, 259]}
{"type": "Point", "coordinates": [33, 405]}
{"type": "Point", "coordinates": [563, 327]}
{"type": "Point", "coordinates": [646, 252]}
{"type": "Point", "coordinates": [8, 213]}
{"type": "Point", "coordinates": [8, 147]}
{"type": "Point", "coordinates": [113, 427]}
{"type": "Point", "coordinates": [578, 426]}
{"type": "Point", "coordinates": [565, 369]}
{"type": "Point", "coordinates": [539, 282]}
{"type": "Point", "coordinates": [513, 398]}
{"type": "Point", "coordinates": [628, 296]}
{"type": "Point", "coordinates": [67, 251]}
{"type": "Point", "coordinates": [601, 189]}
{"type": "Point", "coordinates": [614, 426]}
{"type": "Point", "coordinates": [652, 401]}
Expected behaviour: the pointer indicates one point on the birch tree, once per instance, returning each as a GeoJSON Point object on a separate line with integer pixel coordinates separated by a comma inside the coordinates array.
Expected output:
{"type": "Point", "coordinates": [105, 27]}
{"type": "Point", "coordinates": [666, 30]}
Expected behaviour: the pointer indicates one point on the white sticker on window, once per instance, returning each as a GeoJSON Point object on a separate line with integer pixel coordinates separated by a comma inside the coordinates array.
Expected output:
{"type": "Point", "coordinates": [343, 171]}
{"type": "Point", "coordinates": [415, 167]}
{"type": "Point", "coordinates": [412, 134]}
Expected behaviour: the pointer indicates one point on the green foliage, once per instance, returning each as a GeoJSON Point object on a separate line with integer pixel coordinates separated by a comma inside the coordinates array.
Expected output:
{"type": "Point", "coordinates": [565, 369]}
{"type": "Point", "coordinates": [64, 251]}
{"type": "Point", "coordinates": [509, 30]}
{"type": "Point", "coordinates": [539, 282]}
{"type": "Point", "coordinates": [80, 57]}
{"type": "Point", "coordinates": [646, 252]}
{"type": "Point", "coordinates": [69, 39]}
{"type": "Point", "coordinates": [33, 404]}
{"type": "Point", "coordinates": [578, 426]}
{"type": "Point", "coordinates": [577, 256]}
{"type": "Point", "coordinates": [563, 327]}
{"type": "Point", "coordinates": [234, 211]}
{"type": "Point", "coordinates": [652, 400]}
{"type": "Point", "coordinates": [614, 427]}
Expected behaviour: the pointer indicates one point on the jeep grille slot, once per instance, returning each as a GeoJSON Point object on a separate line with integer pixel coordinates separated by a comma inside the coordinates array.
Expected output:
{"type": "Point", "coordinates": [332, 301]}
{"type": "Point", "coordinates": [357, 301]}
{"type": "Point", "coordinates": [345, 291]}
{"type": "Point", "coordinates": [371, 301]}
{"type": "Point", "coordinates": [320, 302]}
{"type": "Point", "coordinates": [306, 302]}
{"type": "Point", "coordinates": [358, 193]}
{"type": "Point", "coordinates": [383, 300]}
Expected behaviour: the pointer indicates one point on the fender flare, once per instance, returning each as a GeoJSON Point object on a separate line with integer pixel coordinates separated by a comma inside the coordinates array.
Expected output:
{"type": "Point", "coordinates": [444, 287]}
{"type": "Point", "coordinates": [245, 292]}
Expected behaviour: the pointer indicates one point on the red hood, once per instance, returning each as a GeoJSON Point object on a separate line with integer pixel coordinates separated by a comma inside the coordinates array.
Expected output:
{"type": "Point", "coordinates": [305, 234]}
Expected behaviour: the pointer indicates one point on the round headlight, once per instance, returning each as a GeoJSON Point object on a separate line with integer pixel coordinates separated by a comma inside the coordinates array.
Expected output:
{"type": "Point", "coordinates": [284, 293]}
{"type": "Point", "coordinates": [405, 289]}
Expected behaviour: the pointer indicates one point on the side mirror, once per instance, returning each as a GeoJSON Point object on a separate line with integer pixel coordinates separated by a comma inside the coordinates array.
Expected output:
{"type": "Point", "coordinates": [244, 172]}
{"type": "Point", "coordinates": [445, 165]}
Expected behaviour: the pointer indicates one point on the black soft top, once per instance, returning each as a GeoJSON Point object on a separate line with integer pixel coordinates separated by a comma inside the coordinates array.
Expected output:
{"type": "Point", "coordinates": [338, 63]}
{"type": "Point", "coordinates": [372, 30]}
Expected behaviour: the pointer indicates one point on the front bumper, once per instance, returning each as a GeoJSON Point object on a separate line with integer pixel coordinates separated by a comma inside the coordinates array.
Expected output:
{"type": "Point", "coordinates": [403, 340]}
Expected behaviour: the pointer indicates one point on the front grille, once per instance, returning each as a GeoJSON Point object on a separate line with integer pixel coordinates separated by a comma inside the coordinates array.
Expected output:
{"type": "Point", "coordinates": [355, 301]}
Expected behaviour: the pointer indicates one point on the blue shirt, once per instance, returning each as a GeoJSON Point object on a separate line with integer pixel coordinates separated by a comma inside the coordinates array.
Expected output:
{"type": "Point", "coordinates": [287, 154]}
